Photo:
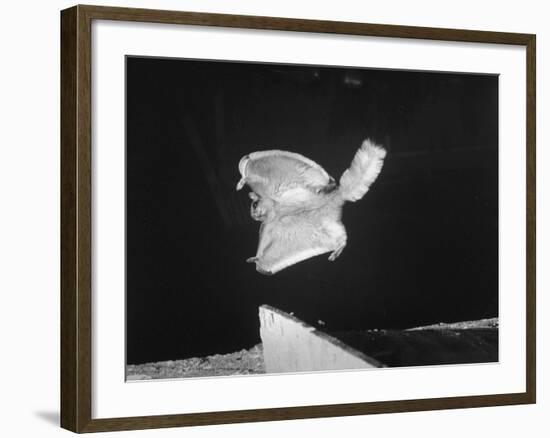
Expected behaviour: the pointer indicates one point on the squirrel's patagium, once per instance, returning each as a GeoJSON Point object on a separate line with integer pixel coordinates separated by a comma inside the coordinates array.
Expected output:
{"type": "Point", "coordinates": [300, 205]}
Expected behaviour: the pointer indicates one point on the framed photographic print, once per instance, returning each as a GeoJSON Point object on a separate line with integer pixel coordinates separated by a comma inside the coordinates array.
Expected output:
{"type": "Point", "coordinates": [270, 218]}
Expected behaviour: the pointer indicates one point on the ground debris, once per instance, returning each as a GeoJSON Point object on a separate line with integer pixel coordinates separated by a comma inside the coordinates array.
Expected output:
{"type": "Point", "coordinates": [237, 363]}
{"type": "Point", "coordinates": [477, 324]}
{"type": "Point", "coordinates": [435, 344]}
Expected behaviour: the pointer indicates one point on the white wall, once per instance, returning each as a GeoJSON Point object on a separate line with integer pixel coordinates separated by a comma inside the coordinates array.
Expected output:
{"type": "Point", "coordinates": [29, 214]}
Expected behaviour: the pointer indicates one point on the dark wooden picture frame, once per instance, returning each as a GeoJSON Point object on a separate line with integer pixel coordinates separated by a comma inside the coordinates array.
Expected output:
{"type": "Point", "coordinates": [76, 218]}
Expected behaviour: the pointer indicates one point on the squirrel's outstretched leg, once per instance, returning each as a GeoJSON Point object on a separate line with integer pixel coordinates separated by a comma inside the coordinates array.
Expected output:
{"type": "Point", "coordinates": [334, 254]}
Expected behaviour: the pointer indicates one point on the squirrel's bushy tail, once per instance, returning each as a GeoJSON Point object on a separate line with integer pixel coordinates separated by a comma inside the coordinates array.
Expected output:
{"type": "Point", "coordinates": [364, 169]}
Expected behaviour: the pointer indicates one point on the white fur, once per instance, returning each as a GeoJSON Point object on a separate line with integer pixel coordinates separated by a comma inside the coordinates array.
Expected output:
{"type": "Point", "coordinates": [292, 259]}
{"type": "Point", "coordinates": [363, 171]}
{"type": "Point", "coordinates": [293, 155]}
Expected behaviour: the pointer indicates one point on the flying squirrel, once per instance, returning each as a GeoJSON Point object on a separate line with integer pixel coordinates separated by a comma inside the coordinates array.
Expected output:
{"type": "Point", "coordinates": [300, 205]}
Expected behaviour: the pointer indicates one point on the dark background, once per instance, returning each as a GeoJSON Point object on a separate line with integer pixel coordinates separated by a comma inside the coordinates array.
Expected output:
{"type": "Point", "coordinates": [422, 244]}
